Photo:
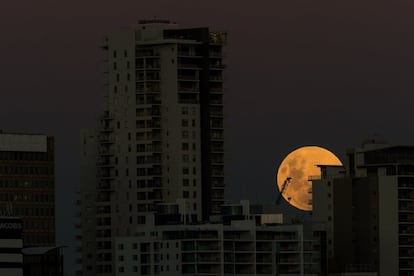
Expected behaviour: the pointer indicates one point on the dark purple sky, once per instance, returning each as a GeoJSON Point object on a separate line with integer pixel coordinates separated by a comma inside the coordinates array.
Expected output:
{"type": "Point", "coordinates": [300, 72]}
{"type": "Point", "coordinates": [290, 55]}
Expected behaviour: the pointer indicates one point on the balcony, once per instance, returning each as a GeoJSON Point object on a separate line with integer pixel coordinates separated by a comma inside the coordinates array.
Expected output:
{"type": "Point", "coordinates": [106, 139]}
{"type": "Point", "coordinates": [104, 186]}
{"type": "Point", "coordinates": [187, 78]}
{"type": "Point", "coordinates": [188, 54]}
{"type": "Point", "coordinates": [216, 79]}
{"type": "Point", "coordinates": [106, 129]}
{"type": "Point", "coordinates": [187, 65]}
{"type": "Point", "coordinates": [141, 52]}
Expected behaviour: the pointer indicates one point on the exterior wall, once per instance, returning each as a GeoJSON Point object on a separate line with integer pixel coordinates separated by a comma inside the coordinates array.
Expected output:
{"type": "Point", "coordinates": [11, 258]}
{"type": "Point", "coordinates": [27, 183]}
{"type": "Point", "coordinates": [375, 211]}
{"type": "Point", "coordinates": [241, 248]}
{"type": "Point", "coordinates": [388, 223]}
{"type": "Point", "coordinates": [88, 204]}
{"type": "Point", "coordinates": [150, 148]}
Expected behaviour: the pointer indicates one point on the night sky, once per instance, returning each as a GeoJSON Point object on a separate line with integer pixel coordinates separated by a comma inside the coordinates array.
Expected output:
{"type": "Point", "coordinates": [300, 72]}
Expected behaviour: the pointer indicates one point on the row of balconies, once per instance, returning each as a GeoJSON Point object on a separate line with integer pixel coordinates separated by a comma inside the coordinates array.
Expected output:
{"type": "Point", "coordinates": [149, 159]}
{"type": "Point", "coordinates": [147, 63]}
{"type": "Point", "coordinates": [201, 257]}
{"type": "Point", "coordinates": [154, 123]}
{"type": "Point", "coordinates": [147, 52]}
{"type": "Point", "coordinates": [217, 161]}
{"type": "Point", "coordinates": [148, 87]}
{"type": "Point", "coordinates": [154, 195]}
{"type": "Point", "coordinates": [153, 147]}
{"type": "Point", "coordinates": [154, 170]}
{"type": "Point", "coordinates": [148, 112]}
{"type": "Point", "coordinates": [216, 111]}
{"type": "Point", "coordinates": [217, 134]}
{"type": "Point", "coordinates": [148, 99]}
{"type": "Point", "coordinates": [188, 98]}
{"type": "Point", "coordinates": [147, 76]}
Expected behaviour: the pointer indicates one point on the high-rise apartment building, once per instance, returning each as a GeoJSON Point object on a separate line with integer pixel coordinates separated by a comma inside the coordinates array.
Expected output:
{"type": "Point", "coordinates": [27, 185]}
{"type": "Point", "coordinates": [368, 210]}
{"type": "Point", "coordinates": [161, 135]}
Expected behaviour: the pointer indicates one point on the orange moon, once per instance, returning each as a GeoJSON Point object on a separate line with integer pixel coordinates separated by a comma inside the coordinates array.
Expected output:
{"type": "Point", "coordinates": [299, 166]}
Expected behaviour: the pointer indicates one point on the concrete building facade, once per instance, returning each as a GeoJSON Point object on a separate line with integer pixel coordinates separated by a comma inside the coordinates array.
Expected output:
{"type": "Point", "coordinates": [161, 135]}
{"type": "Point", "coordinates": [27, 185]}
{"type": "Point", "coordinates": [242, 244]}
{"type": "Point", "coordinates": [11, 244]}
{"type": "Point", "coordinates": [368, 211]}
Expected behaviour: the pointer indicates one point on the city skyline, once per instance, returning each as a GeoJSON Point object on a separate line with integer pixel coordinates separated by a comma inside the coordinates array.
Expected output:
{"type": "Point", "coordinates": [275, 126]}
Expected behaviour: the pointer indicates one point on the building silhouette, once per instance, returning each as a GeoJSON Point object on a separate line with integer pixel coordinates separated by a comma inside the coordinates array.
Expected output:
{"type": "Point", "coordinates": [160, 139]}
{"type": "Point", "coordinates": [27, 184]}
{"type": "Point", "coordinates": [368, 210]}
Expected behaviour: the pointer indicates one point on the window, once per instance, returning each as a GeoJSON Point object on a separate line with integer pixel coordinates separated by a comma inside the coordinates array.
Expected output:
{"type": "Point", "coordinates": [185, 194]}
{"type": "Point", "coordinates": [184, 123]}
{"type": "Point", "coordinates": [185, 170]}
{"type": "Point", "coordinates": [186, 158]}
{"type": "Point", "coordinates": [185, 146]}
{"type": "Point", "coordinates": [193, 123]}
{"type": "Point", "coordinates": [184, 110]}
{"type": "Point", "coordinates": [186, 182]}
{"type": "Point", "coordinates": [185, 134]}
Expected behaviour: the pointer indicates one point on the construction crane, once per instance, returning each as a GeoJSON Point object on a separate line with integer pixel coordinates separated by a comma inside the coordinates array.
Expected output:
{"type": "Point", "coordinates": [283, 189]}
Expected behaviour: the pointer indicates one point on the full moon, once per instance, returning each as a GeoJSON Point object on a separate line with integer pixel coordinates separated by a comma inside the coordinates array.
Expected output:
{"type": "Point", "coordinates": [297, 169]}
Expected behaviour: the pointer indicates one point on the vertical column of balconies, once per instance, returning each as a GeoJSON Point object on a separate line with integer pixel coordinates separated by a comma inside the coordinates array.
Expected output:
{"type": "Point", "coordinates": [239, 252]}
{"type": "Point", "coordinates": [104, 189]}
{"type": "Point", "coordinates": [188, 91]}
{"type": "Point", "coordinates": [289, 250]}
{"type": "Point", "coordinates": [216, 126]}
{"type": "Point", "coordinates": [406, 224]}
{"type": "Point", "coordinates": [148, 129]}
{"type": "Point", "coordinates": [201, 257]}
{"type": "Point", "coordinates": [266, 252]}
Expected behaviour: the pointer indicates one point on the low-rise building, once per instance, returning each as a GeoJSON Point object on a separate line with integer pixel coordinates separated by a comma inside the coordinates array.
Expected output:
{"type": "Point", "coordinates": [242, 245]}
